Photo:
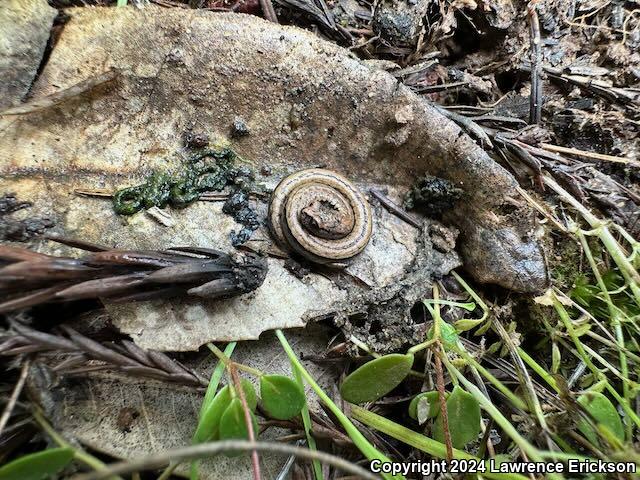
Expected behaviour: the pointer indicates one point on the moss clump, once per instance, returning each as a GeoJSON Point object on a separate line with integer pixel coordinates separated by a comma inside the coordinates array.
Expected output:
{"type": "Point", "coordinates": [433, 195]}
{"type": "Point", "coordinates": [207, 171]}
{"type": "Point", "coordinates": [565, 262]}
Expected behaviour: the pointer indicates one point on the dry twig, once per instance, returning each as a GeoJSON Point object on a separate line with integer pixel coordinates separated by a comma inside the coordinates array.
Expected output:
{"type": "Point", "coordinates": [395, 209]}
{"type": "Point", "coordinates": [255, 460]}
{"type": "Point", "coordinates": [17, 389]}
{"type": "Point", "coordinates": [535, 102]}
{"type": "Point", "coordinates": [443, 402]}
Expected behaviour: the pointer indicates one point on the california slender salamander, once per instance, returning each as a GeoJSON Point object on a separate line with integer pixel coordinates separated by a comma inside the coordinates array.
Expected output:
{"type": "Point", "coordinates": [321, 215]}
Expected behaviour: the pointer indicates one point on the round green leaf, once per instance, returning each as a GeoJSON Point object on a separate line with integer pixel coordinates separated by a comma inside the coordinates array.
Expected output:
{"type": "Point", "coordinates": [233, 425]}
{"type": "Point", "coordinates": [249, 394]}
{"type": "Point", "coordinates": [37, 466]}
{"type": "Point", "coordinates": [424, 406]}
{"type": "Point", "coordinates": [210, 420]}
{"type": "Point", "coordinates": [448, 334]}
{"type": "Point", "coordinates": [376, 378]}
{"type": "Point", "coordinates": [207, 428]}
{"type": "Point", "coordinates": [603, 413]}
{"type": "Point", "coordinates": [463, 413]}
{"type": "Point", "coordinates": [232, 422]}
{"type": "Point", "coordinates": [282, 398]}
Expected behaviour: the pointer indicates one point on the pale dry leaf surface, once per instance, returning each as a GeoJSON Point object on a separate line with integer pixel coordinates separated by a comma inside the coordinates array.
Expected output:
{"type": "Point", "coordinates": [306, 103]}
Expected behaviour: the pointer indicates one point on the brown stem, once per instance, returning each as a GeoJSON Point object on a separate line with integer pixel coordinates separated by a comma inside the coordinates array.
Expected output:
{"type": "Point", "coordinates": [395, 209]}
{"type": "Point", "coordinates": [268, 11]}
{"type": "Point", "coordinates": [443, 403]}
{"type": "Point", "coordinates": [535, 99]}
{"type": "Point", "coordinates": [15, 394]}
{"type": "Point", "coordinates": [255, 460]}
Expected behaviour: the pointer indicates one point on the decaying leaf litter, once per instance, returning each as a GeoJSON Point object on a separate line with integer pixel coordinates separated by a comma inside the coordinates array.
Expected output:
{"type": "Point", "coordinates": [468, 69]}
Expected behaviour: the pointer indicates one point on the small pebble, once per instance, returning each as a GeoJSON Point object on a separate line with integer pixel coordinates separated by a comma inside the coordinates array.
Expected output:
{"type": "Point", "coordinates": [240, 128]}
{"type": "Point", "coordinates": [196, 140]}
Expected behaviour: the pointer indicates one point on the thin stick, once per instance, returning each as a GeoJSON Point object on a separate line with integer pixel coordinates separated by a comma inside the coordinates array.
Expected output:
{"type": "Point", "coordinates": [168, 471]}
{"type": "Point", "coordinates": [15, 394]}
{"type": "Point", "coordinates": [228, 362]}
{"type": "Point", "coordinates": [543, 210]}
{"type": "Point", "coordinates": [395, 209]}
{"type": "Point", "coordinates": [437, 351]}
{"type": "Point", "coordinates": [590, 155]}
{"type": "Point", "coordinates": [94, 192]}
{"type": "Point", "coordinates": [535, 99]}
{"type": "Point", "coordinates": [443, 403]}
{"type": "Point", "coordinates": [268, 11]}
{"type": "Point", "coordinates": [157, 460]}
{"type": "Point", "coordinates": [471, 127]}
{"type": "Point", "coordinates": [247, 418]}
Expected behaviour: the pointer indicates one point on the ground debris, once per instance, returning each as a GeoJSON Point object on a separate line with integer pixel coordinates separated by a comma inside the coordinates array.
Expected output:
{"type": "Point", "coordinates": [19, 230]}
{"type": "Point", "coordinates": [391, 318]}
{"type": "Point", "coordinates": [433, 195]}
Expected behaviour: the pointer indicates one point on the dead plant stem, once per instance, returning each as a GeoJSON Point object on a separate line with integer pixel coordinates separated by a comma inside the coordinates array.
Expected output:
{"type": "Point", "coordinates": [443, 402]}
{"type": "Point", "coordinates": [255, 460]}
{"type": "Point", "coordinates": [15, 394]}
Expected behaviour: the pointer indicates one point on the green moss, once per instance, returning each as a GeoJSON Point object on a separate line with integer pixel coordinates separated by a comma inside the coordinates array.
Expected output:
{"type": "Point", "coordinates": [565, 263]}
{"type": "Point", "coordinates": [210, 170]}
